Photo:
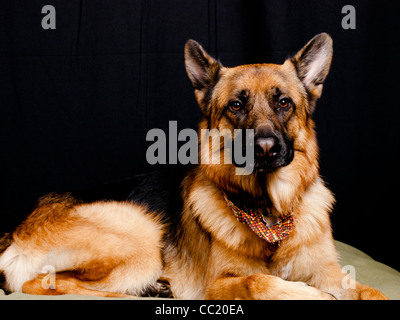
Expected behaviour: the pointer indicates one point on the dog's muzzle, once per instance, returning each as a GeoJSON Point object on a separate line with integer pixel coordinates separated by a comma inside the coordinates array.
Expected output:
{"type": "Point", "coordinates": [272, 151]}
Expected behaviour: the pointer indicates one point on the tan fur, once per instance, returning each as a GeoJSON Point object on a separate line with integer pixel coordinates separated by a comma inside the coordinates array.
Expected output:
{"type": "Point", "coordinates": [100, 243]}
{"type": "Point", "coordinates": [110, 248]}
{"type": "Point", "coordinates": [65, 283]}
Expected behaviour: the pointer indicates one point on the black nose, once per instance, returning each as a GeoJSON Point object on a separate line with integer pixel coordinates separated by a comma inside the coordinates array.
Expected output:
{"type": "Point", "coordinates": [266, 147]}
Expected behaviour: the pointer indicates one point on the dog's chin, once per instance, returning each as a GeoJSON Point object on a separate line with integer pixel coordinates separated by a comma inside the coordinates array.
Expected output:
{"type": "Point", "coordinates": [263, 170]}
{"type": "Point", "coordinates": [264, 167]}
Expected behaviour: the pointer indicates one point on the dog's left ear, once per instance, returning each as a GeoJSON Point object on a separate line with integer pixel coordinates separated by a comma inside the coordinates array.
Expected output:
{"type": "Point", "coordinates": [203, 71]}
{"type": "Point", "coordinates": [313, 62]}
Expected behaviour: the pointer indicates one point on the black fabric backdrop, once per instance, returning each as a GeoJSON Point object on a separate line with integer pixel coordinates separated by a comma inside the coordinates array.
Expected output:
{"type": "Point", "coordinates": [77, 102]}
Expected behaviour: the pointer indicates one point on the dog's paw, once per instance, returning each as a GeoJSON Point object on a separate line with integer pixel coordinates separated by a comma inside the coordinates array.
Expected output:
{"type": "Point", "coordinates": [266, 287]}
{"type": "Point", "coordinates": [368, 293]}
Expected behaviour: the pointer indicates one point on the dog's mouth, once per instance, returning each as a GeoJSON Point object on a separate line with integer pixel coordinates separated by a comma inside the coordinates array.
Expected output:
{"type": "Point", "coordinates": [268, 155]}
{"type": "Point", "coordinates": [270, 162]}
{"type": "Point", "coordinates": [264, 166]}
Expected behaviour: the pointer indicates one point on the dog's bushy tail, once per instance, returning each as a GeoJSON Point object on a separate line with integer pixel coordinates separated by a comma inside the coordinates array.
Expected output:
{"type": "Point", "coordinates": [5, 242]}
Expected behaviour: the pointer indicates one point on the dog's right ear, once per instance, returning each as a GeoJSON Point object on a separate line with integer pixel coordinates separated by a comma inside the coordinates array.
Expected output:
{"type": "Point", "coordinates": [313, 62]}
{"type": "Point", "coordinates": [202, 69]}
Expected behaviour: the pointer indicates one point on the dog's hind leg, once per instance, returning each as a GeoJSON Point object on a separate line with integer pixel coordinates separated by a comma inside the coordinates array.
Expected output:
{"type": "Point", "coordinates": [103, 246]}
{"type": "Point", "coordinates": [64, 283]}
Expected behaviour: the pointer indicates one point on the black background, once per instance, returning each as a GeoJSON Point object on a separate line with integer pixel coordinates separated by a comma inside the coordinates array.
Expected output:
{"type": "Point", "coordinates": [76, 102]}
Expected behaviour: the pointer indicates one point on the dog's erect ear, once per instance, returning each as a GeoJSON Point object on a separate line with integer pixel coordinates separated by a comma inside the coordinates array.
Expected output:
{"type": "Point", "coordinates": [202, 69]}
{"type": "Point", "coordinates": [313, 62]}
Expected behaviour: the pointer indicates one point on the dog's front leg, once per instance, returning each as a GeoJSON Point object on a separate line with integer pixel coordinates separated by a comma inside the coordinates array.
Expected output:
{"type": "Point", "coordinates": [262, 287]}
{"type": "Point", "coordinates": [369, 293]}
{"type": "Point", "coordinates": [356, 291]}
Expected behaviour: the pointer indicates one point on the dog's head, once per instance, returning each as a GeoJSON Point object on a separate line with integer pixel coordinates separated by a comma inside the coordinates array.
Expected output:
{"type": "Point", "coordinates": [274, 100]}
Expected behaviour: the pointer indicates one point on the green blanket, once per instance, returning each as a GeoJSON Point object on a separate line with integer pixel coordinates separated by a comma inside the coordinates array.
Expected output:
{"type": "Point", "coordinates": [367, 271]}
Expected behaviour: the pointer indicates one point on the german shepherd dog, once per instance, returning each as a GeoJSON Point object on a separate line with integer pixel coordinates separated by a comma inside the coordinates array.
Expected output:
{"type": "Point", "coordinates": [265, 235]}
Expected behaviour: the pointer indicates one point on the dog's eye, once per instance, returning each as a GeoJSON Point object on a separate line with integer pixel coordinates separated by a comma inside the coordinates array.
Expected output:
{"type": "Point", "coordinates": [284, 103]}
{"type": "Point", "coordinates": [236, 105]}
